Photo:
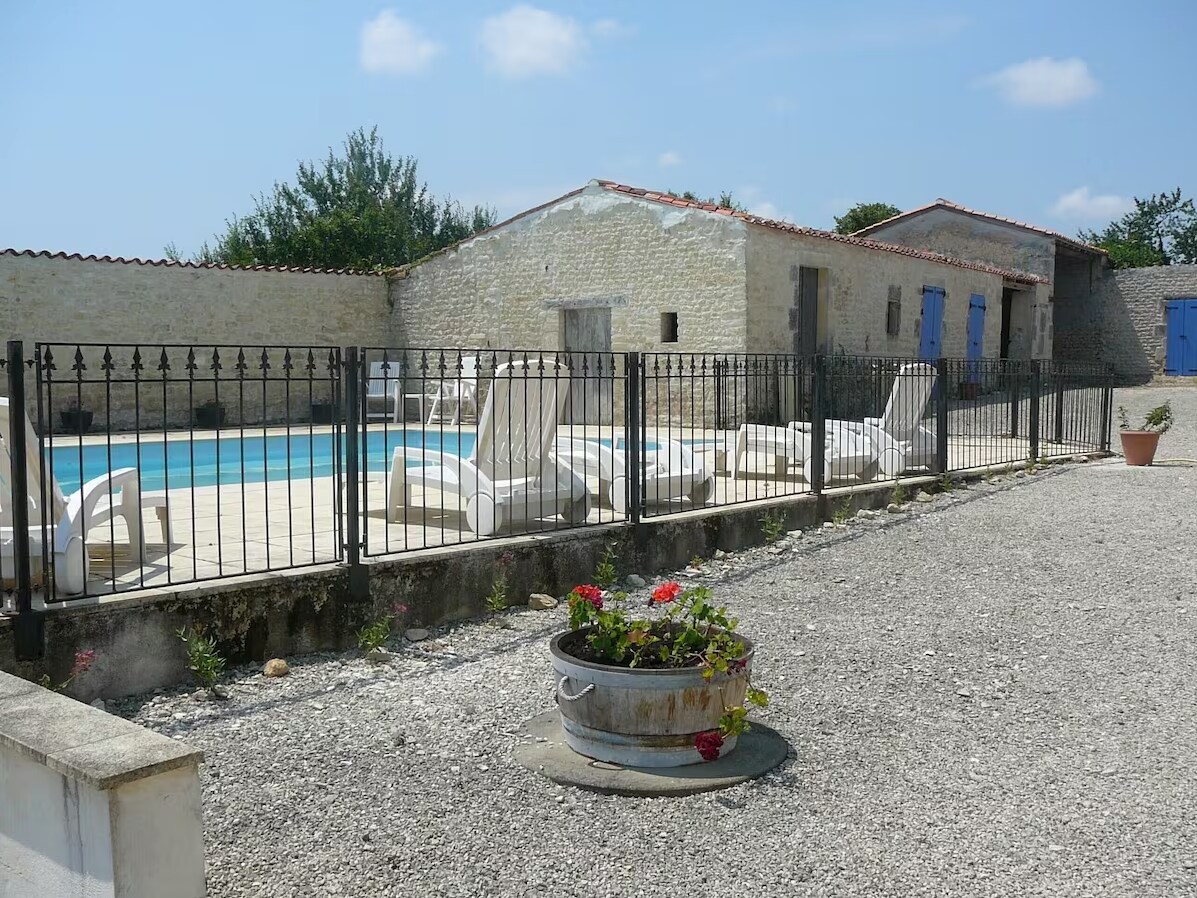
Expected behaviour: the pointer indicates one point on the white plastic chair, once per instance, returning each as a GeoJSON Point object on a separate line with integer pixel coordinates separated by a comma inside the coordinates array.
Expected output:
{"type": "Point", "coordinates": [70, 518]}
{"type": "Point", "coordinates": [383, 385]}
{"type": "Point", "coordinates": [512, 472]}
{"type": "Point", "coordinates": [459, 392]}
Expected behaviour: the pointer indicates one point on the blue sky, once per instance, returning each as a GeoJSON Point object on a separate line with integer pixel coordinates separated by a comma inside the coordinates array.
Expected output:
{"type": "Point", "coordinates": [126, 126]}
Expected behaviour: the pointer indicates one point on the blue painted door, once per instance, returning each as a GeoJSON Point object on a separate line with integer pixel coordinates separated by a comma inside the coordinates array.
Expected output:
{"type": "Point", "coordinates": [976, 335]}
{"type": "Point", "coordinates": [1181, 357]}
{"type": "Point", "coordinates": [931, 328]}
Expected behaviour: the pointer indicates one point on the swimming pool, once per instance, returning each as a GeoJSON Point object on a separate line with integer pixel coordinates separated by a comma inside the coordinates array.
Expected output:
{"type": "Point", "coordinates": [238, 457]}
{"type": "Point", "coordinates": [235, 457]}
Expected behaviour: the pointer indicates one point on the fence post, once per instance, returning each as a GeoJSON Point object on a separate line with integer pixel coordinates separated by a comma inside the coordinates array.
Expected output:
{"type": "Point", "coordinates": [1058, 376]}
{"type": "Point", "coordinates": [818, 425]}
{"type": "Point", "coordinates": [1107, 409]}
{"type": "Point", "coordinates": [1033, 418]}
{"type": "Point", "coordinates": [1014, 385]}
{"type": "Point", "coordinates": [359, 582]}
{"type": "Point", "coordinates": [632, 434]}
{"type": "Point", "coordinates": [941, 415]}
{"type": "Point", "coordinates": [29, 629]}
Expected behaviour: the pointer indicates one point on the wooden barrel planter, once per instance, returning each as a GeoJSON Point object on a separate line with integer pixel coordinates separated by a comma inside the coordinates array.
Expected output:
{"type": "Point", "coordinates": [641, 717]}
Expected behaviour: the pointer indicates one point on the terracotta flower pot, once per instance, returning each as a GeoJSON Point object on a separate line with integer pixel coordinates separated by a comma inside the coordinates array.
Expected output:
{"type": "Point", "coordinates": [1139, 446]}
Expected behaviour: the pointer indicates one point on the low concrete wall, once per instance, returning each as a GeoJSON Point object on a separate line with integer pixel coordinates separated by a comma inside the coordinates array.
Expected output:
{"type": "Point", "coordinates": [296, 612]}
{"type": "Point", "coordinates": [93, 806]}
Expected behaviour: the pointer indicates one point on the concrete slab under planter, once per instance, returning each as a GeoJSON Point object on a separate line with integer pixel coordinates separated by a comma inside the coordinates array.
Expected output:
{"type": "Point", "coordinates": [757, 752]}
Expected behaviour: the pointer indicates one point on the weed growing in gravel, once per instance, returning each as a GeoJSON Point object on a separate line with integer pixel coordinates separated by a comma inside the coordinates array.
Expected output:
{"type": "Point", "coordinates": [697, 561]}
{"type": "Point", "coordinates": [496, 599]}
{"type": "Point", "coordinates": [900, 495]}
{"type": "Point", "coordinates": [202, 658]}
{"type": "Point", "coordinates": [372, 637]}
{"type": "Point", "coordinates": [946, 483]}
{"type": "Point", "coordinates": [843, 511]}
{"type": "Point", "coordinates": [605, 573]}
{"type": "Point", "coordinates": [83, 661]}
{"type": "Point", "coordinates": [773, 525]}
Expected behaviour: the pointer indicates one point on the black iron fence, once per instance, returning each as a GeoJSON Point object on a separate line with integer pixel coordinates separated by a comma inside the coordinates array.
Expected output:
{"type": "Point", "coordinates": [137, 466]}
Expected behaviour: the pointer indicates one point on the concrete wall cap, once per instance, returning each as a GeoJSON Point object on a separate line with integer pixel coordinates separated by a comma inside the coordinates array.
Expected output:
{"type": "Point", "coordinates": [82, 742]}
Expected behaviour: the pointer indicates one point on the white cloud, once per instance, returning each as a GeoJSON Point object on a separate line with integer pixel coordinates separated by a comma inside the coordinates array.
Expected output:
{"type": "Point", "coordinates": [611, 28]}
{"type": "Point", "coordinates": [529, 41]}
{"type": "Point", "coordinates": [1082, 206]}
{"type": "Point", "coordinates": [669, 158]}
{"type": "Point", "coordinates": [393, 46]}
{"type": "Point", "coordinates": [1044, 82]}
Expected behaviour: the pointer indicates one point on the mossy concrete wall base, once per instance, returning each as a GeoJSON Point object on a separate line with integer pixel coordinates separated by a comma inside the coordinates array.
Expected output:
{"type": "Point", "coordinates": [544, 751]}
{"type": "Point", "coordinates": [315, 609]}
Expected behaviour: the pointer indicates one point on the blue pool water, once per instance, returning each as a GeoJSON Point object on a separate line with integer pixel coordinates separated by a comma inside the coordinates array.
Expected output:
{"type": "Point", "coordinates": [238, 458]}
{"type": "Point", "coordinates": [246, 458]}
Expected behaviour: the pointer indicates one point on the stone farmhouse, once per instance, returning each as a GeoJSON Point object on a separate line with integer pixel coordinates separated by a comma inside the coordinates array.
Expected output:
{"type": "Point", "coordinates": [614, 267]}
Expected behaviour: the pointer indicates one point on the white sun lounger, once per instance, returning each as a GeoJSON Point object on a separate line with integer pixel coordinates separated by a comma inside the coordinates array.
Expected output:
{"type": "Point", "coordinates": [512, 473]}
{"type": "Point", "coordinates": [903, 415]}
{"type": "Point", "coordinates": [846, 451]}
{"type": "Point", "coordinates": [891, 443]}
{"type": "Point", "coordinates": [114, 494]}
{"type": "Point", "coordinates": [671, 470]}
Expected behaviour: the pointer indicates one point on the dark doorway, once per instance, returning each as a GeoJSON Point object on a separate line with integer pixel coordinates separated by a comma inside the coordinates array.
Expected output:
{"type": "Point", "coordinates": [806, 338]}
{"type": "Point", "coordinates": [1007, 308]}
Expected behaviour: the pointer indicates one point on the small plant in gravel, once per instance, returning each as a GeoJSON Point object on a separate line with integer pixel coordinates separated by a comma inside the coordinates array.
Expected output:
{"type": "Point", "coordinates": [697, 561]}
{"type": "Point", "coordinates": [605, 573]}
{"type": "Point", "coordinates": [83, 662]}
{"type": "Point", "coordinates": [372, 637]}
{"type": "Point", "coordinates": [773, 525]}
{"type": "Point", "coordinates": [843, 511]}
{"type": "Point", "coordinates": [900, 495]}
{"type": "Point", "coordinates": [203, 659]}
{"type": "Point", "coordinates": [497, 598]}
{"type": "Point", "coordinates": [946, 483]}
{"type": "Point", "coordinates": [1158, 420]}
{"type": "Point", "coordinates": [692, 632]}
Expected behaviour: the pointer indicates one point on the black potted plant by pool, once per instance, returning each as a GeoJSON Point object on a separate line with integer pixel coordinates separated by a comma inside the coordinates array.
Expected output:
{"type": "Point", "coordinates": [209, 414]}
{"type": "Point", "coordinates": [323, 412]}
{"type": "Point", "coordinates": [75, 418]}
{"type": "Point", "coordinates": [660, 691]}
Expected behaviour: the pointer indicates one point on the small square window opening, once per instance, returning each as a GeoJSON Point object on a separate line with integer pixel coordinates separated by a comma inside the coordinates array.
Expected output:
{"type": "Point", "coordinates": [669, 327]}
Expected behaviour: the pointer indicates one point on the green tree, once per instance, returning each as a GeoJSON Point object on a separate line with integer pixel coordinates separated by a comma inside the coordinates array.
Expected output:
{"type": "Point", "coordinates": [725, 199]}
{"type": "Point", "coordinates": [1160, 230]}
{"type": "Point", "coordinates": [862, 215]}
{"type": "Point", "coordinates": [361, 209]}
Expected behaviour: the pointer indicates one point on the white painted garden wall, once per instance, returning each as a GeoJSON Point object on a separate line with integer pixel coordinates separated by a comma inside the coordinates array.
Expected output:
{"type": "Point", "coordinates": [93, 806]}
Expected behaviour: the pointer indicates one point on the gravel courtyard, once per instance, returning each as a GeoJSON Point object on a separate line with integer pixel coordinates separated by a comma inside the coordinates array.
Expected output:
{"type": "Point", "coordinates": [991, 693]}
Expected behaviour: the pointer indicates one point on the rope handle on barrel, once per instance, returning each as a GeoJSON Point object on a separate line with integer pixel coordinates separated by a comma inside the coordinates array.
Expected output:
{"type": "Point", "coordinates": [572, 698]}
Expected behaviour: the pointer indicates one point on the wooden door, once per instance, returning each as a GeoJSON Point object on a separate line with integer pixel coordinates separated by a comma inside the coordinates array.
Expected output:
{"type": "Point", "coordinates": [588, 344]}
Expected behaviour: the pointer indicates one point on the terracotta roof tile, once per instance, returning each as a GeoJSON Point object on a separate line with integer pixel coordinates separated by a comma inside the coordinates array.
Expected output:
{"type": "Point", "coordinates": [852, 239]}
{"type": "Point", "coordinates": [169, 263]}
{"type": "Point", "coordinates": [941, 203]}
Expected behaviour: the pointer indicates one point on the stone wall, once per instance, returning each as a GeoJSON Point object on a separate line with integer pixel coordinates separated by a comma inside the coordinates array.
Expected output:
{"type": "Point", "coordinates": [511, 287]}
{"type": "Point", "coordinates": [71, 300]}
{"type": "Point", "coordinates": [1129, 316]}
{"type": "Point", "coordinates": [965, 236]}
{"type": "Point", "coordinates": [859, 283]}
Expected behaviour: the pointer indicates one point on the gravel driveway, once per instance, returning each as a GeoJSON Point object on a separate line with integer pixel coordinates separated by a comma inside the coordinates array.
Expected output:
{"type": "Point", "coordinates": [994, 693]}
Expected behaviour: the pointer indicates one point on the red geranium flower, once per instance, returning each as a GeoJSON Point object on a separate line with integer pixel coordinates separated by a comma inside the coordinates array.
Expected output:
{"type": "Point", "coordinates": [709, 744]}
{"type": "Point", "coordinates": [667, 592]}
{"type": "Point", "coordinates": [591, 594]}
